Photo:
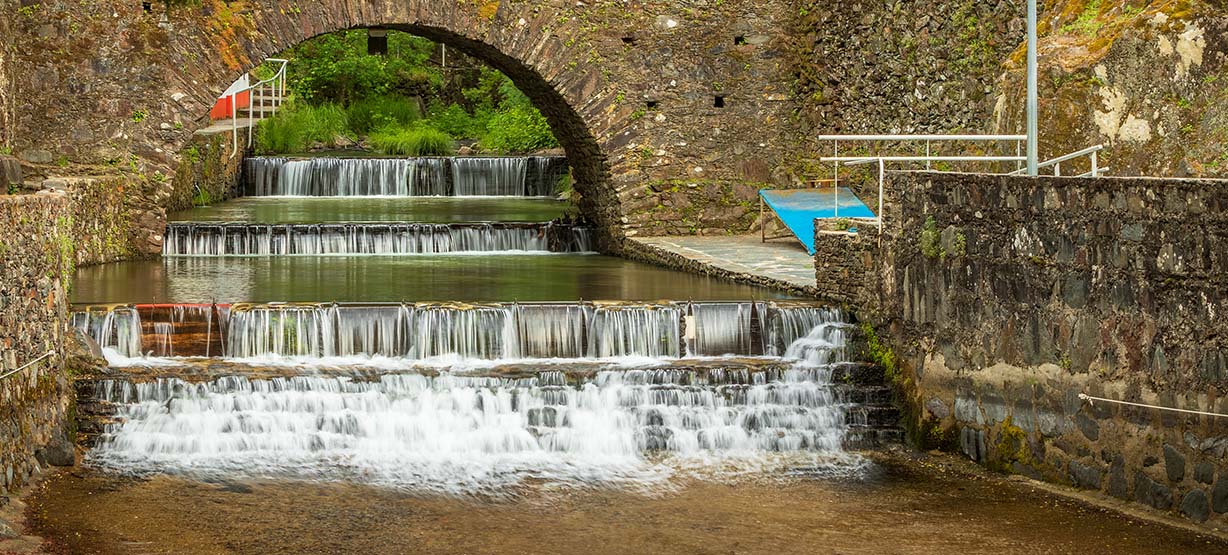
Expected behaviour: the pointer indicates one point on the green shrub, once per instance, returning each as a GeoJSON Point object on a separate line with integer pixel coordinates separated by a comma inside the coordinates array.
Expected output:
{"type": "Point", "coordinates": [518, 129]}
{"type": "Point", "coordinates": [298, 125]}
{"type": "Point", "coordinates": [456, 121]}
{"type": "Point", "coordinates": [419, 140]}
{"type": "Point", "coordinates": [373, 113]}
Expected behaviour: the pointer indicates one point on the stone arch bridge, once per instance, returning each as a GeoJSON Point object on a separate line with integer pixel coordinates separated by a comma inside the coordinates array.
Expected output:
{"type": "Point", "coordinates": [672, 114]}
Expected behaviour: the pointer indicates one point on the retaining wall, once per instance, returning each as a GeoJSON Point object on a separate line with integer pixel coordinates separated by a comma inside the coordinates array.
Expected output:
{"type": "Point", "coordinates": [36, 258]}
{"type": "Point", "coordinates": [1000, 299]}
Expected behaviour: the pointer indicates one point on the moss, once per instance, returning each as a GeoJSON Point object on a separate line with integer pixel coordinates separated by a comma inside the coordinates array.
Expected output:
{"type": "Point", "coordinates": [1012, 447]}
{"type": "Point", "coordinates": [930, 240]}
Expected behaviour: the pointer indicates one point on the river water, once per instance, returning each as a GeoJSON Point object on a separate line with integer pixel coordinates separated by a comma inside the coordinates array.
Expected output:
{"type": "Point", "coordinates": [646, 410]}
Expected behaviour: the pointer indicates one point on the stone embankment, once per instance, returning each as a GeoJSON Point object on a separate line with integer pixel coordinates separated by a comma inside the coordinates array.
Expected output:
{"type": "Point", "coordinates": [998, 300]}
{"type": "Point", "coordinates": [36, 257]}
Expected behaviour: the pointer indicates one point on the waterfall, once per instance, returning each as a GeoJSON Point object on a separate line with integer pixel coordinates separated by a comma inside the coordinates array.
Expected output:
{"type": "Point", "coordinates": [495, 177]}
{"type": "Point", "coordinates": [627, 331]}
{"type": "Point", "coordinates": [470, 332]}
{"type": "Point", "coordinates": [723, 329]}
{"type": "Point", "coordinates": [787, 323]}
{"type": "Point", "coordinates": [233, 239]}
{"type": "Point", "coordinates": [462, 435]}
{"type": "Point", "coordinates": [551, 331]}
{"type": "Point", "coordinates": [460, 176]}
{"type": "Point", "coordinates": [494, 331]}
{"type": "Point", "coordinates": [118, 328]}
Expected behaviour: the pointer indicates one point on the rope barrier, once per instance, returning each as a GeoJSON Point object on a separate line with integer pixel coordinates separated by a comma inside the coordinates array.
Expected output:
{"type": "Point", "coordinates": [1090, 400]}
{"type": "Point", "coordinates": [27, 365]}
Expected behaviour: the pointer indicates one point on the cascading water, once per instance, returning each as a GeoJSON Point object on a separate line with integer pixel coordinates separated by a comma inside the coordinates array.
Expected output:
{"type": "Point", "coordinates": [496, 331]}
{"type": "Point", "coordinates": [460, 435]}
{"type": "Point", "coordinates": [461, 176]}
{"type": "Point", "coordinates": [723, 329]}
{"type": "Point", "coordinates": [118, 328]}
{"type": "Point", "coordinates": [200, 239]}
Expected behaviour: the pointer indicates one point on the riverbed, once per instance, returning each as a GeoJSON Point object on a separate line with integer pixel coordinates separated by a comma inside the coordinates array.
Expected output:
{"type": "Point", "coordinates": [902, 504]}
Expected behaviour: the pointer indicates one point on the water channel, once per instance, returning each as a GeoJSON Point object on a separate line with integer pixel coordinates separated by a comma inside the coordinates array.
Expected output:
{"type": "Point", "coordinates": [437, 337]}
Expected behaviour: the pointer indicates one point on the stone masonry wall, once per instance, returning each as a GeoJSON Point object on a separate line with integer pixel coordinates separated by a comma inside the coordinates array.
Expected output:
{"type": "Point", "coordinates": [207, 173]}
{"type": "Point", "coordinates": [36, 260]}
{"type": "Point", "coordinates": [1004, 298]}
{"type": "Point", "coordinates": [1146, 79]}
{"type": "Point", "coordinates": [8, 93]}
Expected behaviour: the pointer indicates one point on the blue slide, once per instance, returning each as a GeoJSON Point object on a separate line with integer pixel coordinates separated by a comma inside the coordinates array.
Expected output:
{"type": "Point", "coordinates": [799, 208]}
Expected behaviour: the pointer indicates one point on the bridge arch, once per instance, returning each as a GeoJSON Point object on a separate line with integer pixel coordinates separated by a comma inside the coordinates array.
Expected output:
{"type": "Point", "coordinates": [671, 116]}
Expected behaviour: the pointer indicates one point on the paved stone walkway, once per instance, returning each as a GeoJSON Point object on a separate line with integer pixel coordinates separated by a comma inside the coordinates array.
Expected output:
{"type": "Point", "coordinates": [779, 261]}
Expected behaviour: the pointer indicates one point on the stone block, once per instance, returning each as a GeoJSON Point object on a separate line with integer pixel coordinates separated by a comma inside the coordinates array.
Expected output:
{"type": "Point", "coordinates": [1204, 472]}
{"type": "Point", "coordinates": [1085, 476]}
{"type": "Point", "coordinates": [10, 173]}
{"type": "Point", "coordinates": [1219, 495]}
{"type": "Point", "coordinates": [1150, 492]}
{"type": "Point", "coordinates": [1174, 464]}
{"type": "Point", "coordinates": [1194, 506]}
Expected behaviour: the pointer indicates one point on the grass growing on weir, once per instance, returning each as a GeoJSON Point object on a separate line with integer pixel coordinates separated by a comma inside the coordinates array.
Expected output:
{"type": "Point", "coordinates": [412, 141]}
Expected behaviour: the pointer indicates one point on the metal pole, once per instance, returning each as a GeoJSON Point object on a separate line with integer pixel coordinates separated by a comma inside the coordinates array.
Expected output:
{"type": "Point", "coordinates": [762, 221]}
{"type": "Point", "coordinates": [1033, 108]}
{"type": "Point", "coordinates": [835, 148]}
{"type": "Point", "coordinates": [1095, 164]}
{"type": "Point", "coordinates": [882, 171]}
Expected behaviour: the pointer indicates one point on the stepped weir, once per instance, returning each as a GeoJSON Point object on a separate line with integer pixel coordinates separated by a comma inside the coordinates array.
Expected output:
{"type": "Point", "coordinates": [449, 396]}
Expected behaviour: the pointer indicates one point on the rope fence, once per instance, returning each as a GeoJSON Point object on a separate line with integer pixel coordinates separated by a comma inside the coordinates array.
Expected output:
{"type": "Point", "coordinates": [1091, 401]}
{"type": "Point", "coordinates": [26, 365]}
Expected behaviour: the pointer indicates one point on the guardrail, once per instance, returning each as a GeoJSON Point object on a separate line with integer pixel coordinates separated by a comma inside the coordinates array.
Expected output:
{"type": "Point", "coordinates": [1019, 140]}
{"type": "Point", "coordinates": [272, 89]}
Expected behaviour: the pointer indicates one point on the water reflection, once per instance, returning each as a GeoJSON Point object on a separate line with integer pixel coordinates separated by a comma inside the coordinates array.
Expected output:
{"type": "Point", "coordinates": [542, 277]}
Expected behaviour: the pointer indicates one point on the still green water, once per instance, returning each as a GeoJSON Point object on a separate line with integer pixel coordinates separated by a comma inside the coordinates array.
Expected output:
{"type": "Point", "coordinates": [547, 277]}
{"type": "Point", "coordinates": [280, 210]}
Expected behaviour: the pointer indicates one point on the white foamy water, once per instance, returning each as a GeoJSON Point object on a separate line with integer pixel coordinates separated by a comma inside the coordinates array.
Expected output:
{"type": "Point", "coordinates": [468, 435]}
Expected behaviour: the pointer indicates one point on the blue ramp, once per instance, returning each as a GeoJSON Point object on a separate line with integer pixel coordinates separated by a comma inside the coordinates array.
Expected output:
{"type": "Point", "coordinates": [799, 208]}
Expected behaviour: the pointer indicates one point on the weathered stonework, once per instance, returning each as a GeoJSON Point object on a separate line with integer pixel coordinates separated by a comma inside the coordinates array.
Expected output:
{"type": "Point", "coordinates": [1025, 292]}
{"type": "Point", "coordinates": [36, 258]}
{"type": "Point", "coordinates": [1147, 83]}
{"type": "Point", "coordinates": [8, 92]}
{"type": "Point", "coordinates": [206, 165]}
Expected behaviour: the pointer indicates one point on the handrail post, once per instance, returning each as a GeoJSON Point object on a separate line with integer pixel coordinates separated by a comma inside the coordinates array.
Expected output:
{"type": "Point", "coordinates": [251, 119]}
{"type": "Point", "coordinates": [234, 127]}
{"type": "Point", "coordinates": [1057, 169]}
{"type": "Point", "coordinates": [1095, 163]}
{"type": "Point", "coordinates": [762, 221]}
{"type": "Point", "coordinates": [835, 146]}
{"type": "Point", "coordinates": [927, 154]}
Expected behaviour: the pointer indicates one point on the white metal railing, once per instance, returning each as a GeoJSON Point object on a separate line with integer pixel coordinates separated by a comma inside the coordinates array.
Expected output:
{"type": "Point", "coordinates": [837, 160]}
{"type": "Point", "coordinates": [272, 89]}
{"type": "Point", "coordinates": [1092, 152]}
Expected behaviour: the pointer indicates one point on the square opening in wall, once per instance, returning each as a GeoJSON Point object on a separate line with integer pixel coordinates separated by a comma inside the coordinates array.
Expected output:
{"type": "Point", "coordinates": [651, 104]}
{"type": "Point", "coordinates": [739, 40]}
{"type": "Point", "coordinates": [629, 41]}
{"type": "Point", "coordinates": [147, 6]}
{"type": "Point", "coordinates": [718, 101]}
{"type": "Point", "coordinates": [377, 42]}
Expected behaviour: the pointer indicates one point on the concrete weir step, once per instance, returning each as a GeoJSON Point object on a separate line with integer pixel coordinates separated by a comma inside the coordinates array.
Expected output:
{"type": "Point", "coordinates": [872, 419]}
